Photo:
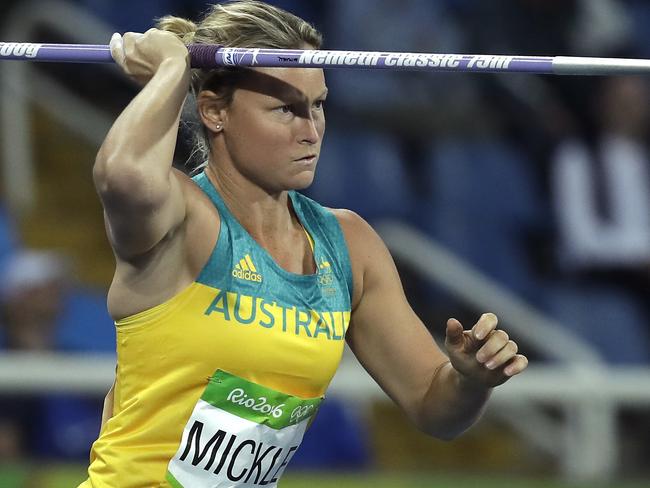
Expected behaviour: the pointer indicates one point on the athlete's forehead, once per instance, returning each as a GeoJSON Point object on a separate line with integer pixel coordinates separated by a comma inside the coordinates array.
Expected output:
{"type": "Point", "coordinates": [291, 85]}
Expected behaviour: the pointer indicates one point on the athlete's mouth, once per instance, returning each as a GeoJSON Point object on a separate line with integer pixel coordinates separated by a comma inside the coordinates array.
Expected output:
{"type": "Point", "coordinates": [307, 159]}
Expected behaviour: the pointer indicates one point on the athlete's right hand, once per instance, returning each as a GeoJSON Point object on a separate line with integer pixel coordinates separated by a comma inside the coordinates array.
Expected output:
{"type": "Point", "coordinates": [140, 55]}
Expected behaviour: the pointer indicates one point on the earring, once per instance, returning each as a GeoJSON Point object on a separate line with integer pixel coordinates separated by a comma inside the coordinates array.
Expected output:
{"type": "Point", "coordinates": [217, 127]}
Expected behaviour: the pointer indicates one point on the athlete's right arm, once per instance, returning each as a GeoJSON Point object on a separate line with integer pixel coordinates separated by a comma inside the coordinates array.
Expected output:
{"type": "Point", "coordinates": [141, 194]}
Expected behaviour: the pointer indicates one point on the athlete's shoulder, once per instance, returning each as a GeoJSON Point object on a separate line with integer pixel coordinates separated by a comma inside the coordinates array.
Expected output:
{"type": "Point", "coordinates": [355, 229]}
{"type": "Point", "coordinates": [363, 241]}
{"type": "Point", "coordinates": [351, 223]}
{"type": "Point", "coordinates": [367, 250]}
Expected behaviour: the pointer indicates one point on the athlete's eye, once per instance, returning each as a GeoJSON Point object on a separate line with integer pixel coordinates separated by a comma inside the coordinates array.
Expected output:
{"type": "Point", "coordinates": [319, 104]}
{"type": "Point", "coordinates": [285, 109]}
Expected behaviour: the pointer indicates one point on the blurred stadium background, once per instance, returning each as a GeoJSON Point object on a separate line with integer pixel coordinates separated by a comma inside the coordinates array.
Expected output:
{"type": "Point", "coordinates": [525, 195]}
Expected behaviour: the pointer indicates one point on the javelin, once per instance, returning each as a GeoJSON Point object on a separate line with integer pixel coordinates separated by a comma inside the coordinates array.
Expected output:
{"type": "Point", "coordinates": [212, 56]}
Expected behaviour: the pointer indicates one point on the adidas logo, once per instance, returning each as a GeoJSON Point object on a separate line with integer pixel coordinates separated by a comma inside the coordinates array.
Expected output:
{"type": "Point", "coordinates": [245, 270]}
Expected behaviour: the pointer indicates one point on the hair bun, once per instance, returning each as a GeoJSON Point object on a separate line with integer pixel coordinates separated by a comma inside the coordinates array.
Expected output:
{"type": "Point", "coordinates": [183, 28]}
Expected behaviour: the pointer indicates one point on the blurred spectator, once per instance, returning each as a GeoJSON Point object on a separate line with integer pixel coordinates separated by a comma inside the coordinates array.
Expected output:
{"type": "Point", "coordinates": [600, 186]}
{"type": "Point", "coordinates": [36, 299]}
{"type": "Point", "coordinates": [43, 308]}
{"type": "Point", "coordinates": [601, 189]}
{"type": "Point", "coordinates": [31, 296]}
{"type": "Point", "coordinates": [553, 119]}
{"type": "Point", "coordinates": [29, 301]}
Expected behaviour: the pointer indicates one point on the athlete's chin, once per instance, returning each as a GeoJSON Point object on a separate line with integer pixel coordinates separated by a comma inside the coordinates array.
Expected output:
{"type": "Point", "coordinates": [302, 179]}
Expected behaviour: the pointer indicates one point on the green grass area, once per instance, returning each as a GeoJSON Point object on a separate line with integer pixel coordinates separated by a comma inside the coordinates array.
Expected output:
{"type": "Point", "coordinates": [70, 476]}
{"type": "Point", "coordinates": [392, 480]}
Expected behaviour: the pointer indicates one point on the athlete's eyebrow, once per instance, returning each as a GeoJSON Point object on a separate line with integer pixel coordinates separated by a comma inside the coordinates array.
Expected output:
{"type": "Point", "coordinates": [271, 86]}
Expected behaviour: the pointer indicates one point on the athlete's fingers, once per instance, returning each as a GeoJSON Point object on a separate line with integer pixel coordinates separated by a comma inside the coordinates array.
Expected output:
{"type": "Point", "coordinates": [506, 353]}
{"type": "Point", "coordinates": [454, 334]}
{"type": "Point", "coordinates": [486, 324]}
{"type": "Point", "coordinates": [493, 344]}
{"type": "Point", "coordinates": [117, 48]}
{"type": "Point", "coordinates": [516, 365]}
{"type": "Point", "coordinates": [129, 40]}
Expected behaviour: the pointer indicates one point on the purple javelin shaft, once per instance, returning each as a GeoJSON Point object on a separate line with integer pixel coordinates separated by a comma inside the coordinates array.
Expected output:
{"type": "Point", "coordinates": [377, 60]}
{"type": "Point", "coordinates": [61, 53]}
{"type": "Point", "coordinates": [212, 56]}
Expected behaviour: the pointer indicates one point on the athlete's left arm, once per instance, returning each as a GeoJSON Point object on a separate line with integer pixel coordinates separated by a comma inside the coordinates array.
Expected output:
{"type": "Point", "coordinates": [443, 394]}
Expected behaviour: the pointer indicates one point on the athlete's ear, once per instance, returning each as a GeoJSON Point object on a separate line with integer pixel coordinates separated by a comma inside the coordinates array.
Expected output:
{"type": "Point", "coordinates": [212, 110]}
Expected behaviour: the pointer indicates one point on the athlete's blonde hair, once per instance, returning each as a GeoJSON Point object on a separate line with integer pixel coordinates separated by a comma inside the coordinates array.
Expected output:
{"type": "Point", "coordinates": [240, 23]}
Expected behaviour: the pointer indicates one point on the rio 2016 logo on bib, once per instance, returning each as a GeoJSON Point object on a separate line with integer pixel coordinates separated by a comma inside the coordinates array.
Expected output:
{"type": "Point", "coordinates": [238, 396]}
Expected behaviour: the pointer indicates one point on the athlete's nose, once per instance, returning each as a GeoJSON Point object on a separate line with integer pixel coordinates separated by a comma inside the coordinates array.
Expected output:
{"type": "Point", "coordinates": [308, 130]}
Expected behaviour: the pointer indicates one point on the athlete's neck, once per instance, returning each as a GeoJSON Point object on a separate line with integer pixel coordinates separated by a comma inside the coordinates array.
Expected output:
{"type": "Point", "coordinates": [266, 216]}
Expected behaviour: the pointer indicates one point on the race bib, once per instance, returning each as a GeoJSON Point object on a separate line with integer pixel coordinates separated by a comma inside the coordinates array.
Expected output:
{"type": "Point", "coordinates": [239, 434]}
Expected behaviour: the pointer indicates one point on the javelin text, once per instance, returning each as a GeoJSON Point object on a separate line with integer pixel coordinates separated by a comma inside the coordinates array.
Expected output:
{"type": "Point", "coordinates": [19, 49]}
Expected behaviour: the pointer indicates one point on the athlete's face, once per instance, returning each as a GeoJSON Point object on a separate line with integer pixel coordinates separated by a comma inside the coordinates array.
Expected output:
{"type": "Point", "coordinates": [274, 126]}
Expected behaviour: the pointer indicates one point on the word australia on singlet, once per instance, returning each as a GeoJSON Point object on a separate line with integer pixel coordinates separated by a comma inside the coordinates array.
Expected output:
{"type": "Point", "coordinates": [251, 310]}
